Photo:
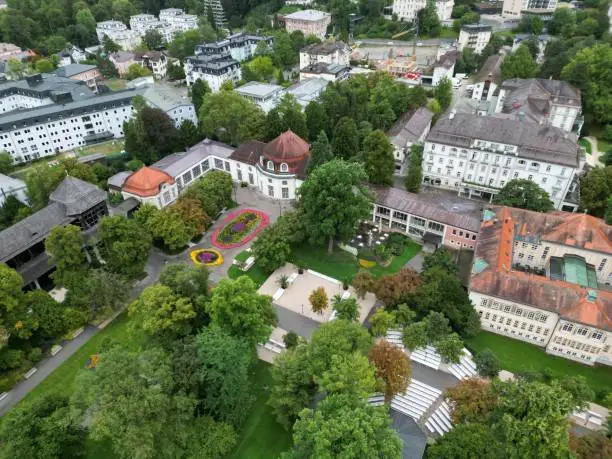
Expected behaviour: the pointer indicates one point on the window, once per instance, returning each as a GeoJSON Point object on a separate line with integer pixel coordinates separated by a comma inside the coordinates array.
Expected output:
{"type": "Point", "coordinates": [582, 331]}
{"type": "Point", "coordinates": [521, 161]}
{"type": "Point", "coordinates": [597, 335]}
{"type": "Point", "coordinates": [436, 226]}
{"type": "Point", "coordinates": [602, 264]}
{"type": "Point", "coordinates": [285, 193]}
{"type": "Point", "coordinates": [284, 167]}
{"type": "Point", "coordinates": [567, 327]}
{"type": "Point", "coordinates": [270, 166]}
{"type": "Point", "coordinates": [545, 253]}
{"type": "Point", "coordinates": [270, 191]}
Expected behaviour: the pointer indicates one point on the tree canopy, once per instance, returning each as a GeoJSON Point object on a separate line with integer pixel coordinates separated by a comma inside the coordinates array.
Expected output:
{"type": "Point", "coordinates": [524, 194]}
{"type": "Point", "coordinates": [332, 200]}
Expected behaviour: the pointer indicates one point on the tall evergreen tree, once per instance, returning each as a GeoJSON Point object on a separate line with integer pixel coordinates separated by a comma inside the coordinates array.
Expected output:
{"type": "Point", "coordinates": [320, 152]}
{"type": "Point", "coordinates": [346, 138]}
{"type": "Point", "coordinates": [378, 158]}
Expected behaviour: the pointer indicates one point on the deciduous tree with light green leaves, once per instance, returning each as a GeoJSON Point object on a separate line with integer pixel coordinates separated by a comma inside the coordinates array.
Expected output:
{"type": "Point", "coordinates": [378, 158]}
{"type": "Point", "coordinates": [524, 194]}
{"type": "Point", "coordinates": [333, 199]}
{"type": "Point", "coordinates": [345, 426]}
{"type": "Point", "coordinates": [519, 64]}
{"type": "Point", "coordinates": [349, 374]}
{"type": "Point", "coordinates": [125, 245]}
{"type": "Point", "coordinates": [65, 247]}
{"type": "Point", "coordinates": [237, 308]}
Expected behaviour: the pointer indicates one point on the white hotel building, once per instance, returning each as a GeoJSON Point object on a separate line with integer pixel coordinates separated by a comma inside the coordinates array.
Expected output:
{"type": "Point", "coordinates": [45, 114]}
{"type": "Point", "coordinates": [407, 10]}
{"type": "Point", "coordinates": [545, 278]}
{"type": "Point", "coordinates": [477, 155]}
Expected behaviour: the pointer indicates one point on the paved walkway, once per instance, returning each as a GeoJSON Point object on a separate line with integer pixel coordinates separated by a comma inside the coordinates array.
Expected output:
{"type": "Point", "coordinates": [596, 156]}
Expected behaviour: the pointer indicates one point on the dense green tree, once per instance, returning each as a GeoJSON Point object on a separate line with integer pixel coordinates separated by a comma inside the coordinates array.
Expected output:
{"type": "Point", "coordinates": [129, 402]}
{"type": "Point", "coordinates": [333, 199]}
{"type": "Point", "coordinates": [65, 248]}
{"type": "Point", "coordinates": [578, 387]}
{"type": "Point", "coordinates": [468, 62]}
{"type": "Point", "coordinates": [524, 194]}
{"type": "Point", "coordinates": [293, 386]}
{"type": "Point", "coordinates": [316, 120]}
{"type": "Point", "coordinates": [153, 39]}
{"type": "Point", "coordinates": [588, 71]}
{"type": "Point", "coordinates": [429, 24]}
{"type": "Point", "coordinates": [531, 24]}
{"type": "Point", "coordinates": [519, 64]}
{"type": "Point", "coordinates": [213, 191]}
{"type": "Point", "coordinates": [440, 258]}
{"type": "Point", "coordinates": [42, 429]}
{"type": "Point", "coordinates": [347, 309]}
{"type": "Point", "coordinates": [345, 426]}
{"type": "Point", "coordinates": [44, 66]}
{"type": "Point", "coordinates": [271, 249]}
{"type": "Point", "coordinates": [320, 152]}
{"type": "Point", "coordinates": [444, 93]}
{"type": "Point", "coordinates": [466, 441]}
{"type": "Point", "coordinates": [563, 23]}
{"type": "Point", "coordinates": [187, 281]}
{"type": "Point", "coordinates": [414, 178]}
{"type": "Point", "coordinates": [487, 363]}
{"type": "Point", "coordinates": [378, 158]}
{"type": "Point", "coordinates": [176, 72]}
{"type": "Point", "coordinates": [137, 71]}
{"type": "Point", "coordinates": [49, 313]}
{"type": "Point", "coordinates": [595, 190]}
{"type": "Point", "coordinates": [231, 118]}
{"type": "Point", "coordinates": [260, 68]}
{"type": "Point", "coordinates": [10, 211]}
{"type": "Point", "coordinates": [161, 313]}
{"type": "Point", "coordinates": [415, 336]}
{"type": "Point", "coordinates": [286, 116]}
{"type": "Point", "coordinates": [237, 308]}
{"type": "Point", "coordinates": [533, 420]}
{"type": "Point", "coordinates": [189, 134]}
{"type": "Point", "coordinates": [381, 321]}
{"type": "Point", "coordinates": [199, 90]}
{"type": "Point", "coordinates": [6, 162]}
{"type": "Point", "coordinates": [96, 293]}
{"type": "Point", "coordinates": [350, 374]}
{"type": "Point", "coordinates": [285, 54]}
{"type": "Point", "coordinates": [450, 348]}
{"type": "Point", "coordinates": [169, 227]}
{"type": "Point", "coordinates": [345, 142]}
{"type": "Point", "coordinates": [125, 245]}
{"type": "Point", "coordinates": [223, 375]}
{"type": "Point", "coordinates": [184, 43]}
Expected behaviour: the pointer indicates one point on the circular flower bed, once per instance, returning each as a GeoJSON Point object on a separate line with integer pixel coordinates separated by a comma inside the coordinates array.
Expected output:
{"type": "Point", "coordinates": [239, 227]}
{"type": "Point", "coordinates": [206, 257]}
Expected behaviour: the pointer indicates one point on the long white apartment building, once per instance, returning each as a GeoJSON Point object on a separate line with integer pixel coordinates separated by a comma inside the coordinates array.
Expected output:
{"type": "Point", "coordinates": [407, 10]}
{"type": "Point", "coordinates": [214, 69]}
{"type": "Point", "coordinates": [477, 155]}
{"type": "Point", "coordinates": [45, 114]}
{"type": "Point", "coordinates": [474, 36]}
{"type": "Point", "coordinates": [240, 46]}
{"type": "Point", "coordinates": [178, 20]}
{"type": "Point", "coordinates": [118, 32]}
{"type": "Point", "coordinates": [545, 278]}
{"type": "Point", "coordinates": [514, 8]}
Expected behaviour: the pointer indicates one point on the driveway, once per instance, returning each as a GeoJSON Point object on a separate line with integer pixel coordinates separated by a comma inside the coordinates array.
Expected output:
{"type": "Point", "coordinates": [416, 262]}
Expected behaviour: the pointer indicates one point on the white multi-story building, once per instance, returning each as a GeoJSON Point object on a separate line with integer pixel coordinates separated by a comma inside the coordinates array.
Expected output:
{"type": "Point", "coordinates": [59, 119]}
{"type": "Point", "coordinates": [156, 61]}
{"type": "Point", "coordinates": [240, 46]}
{"type": "Point", "coordinates": [514, 8]}
{"type": "Point", "coordinates": [410, 129]}
{"type": "Point", "coordinates": [142, 23]}
{"type": "Point", "coordinates": [118, 32]}
{"type": "Point", "coordinates": [407, 10]}
{"type": "Point", "coordinates": [267, 96]}
{"type": "Point", "coordinates": [477, 155]}
{"type": "Point", "coordinates": [309, 22]}
{"type": "Point", "coordinates": [214, 69]}
{"type": "Point", "coordinates": [171, 21]}
{"type": "Point", "coordinates": [174, 101]}
{"type": "Point", "coordinates": [544, 278]}
{"type": "Point", "coordinates": [328, 53]}
{"type": "Point", "coordinates": [181, 21]}
{"type": "Point", "coordinates": [475, 36]}
{"type": "Point", "coordinates": [541, 101]}
{"type": "Point", "coordinates": [216, 6]}
{"type": "Point", "coordinates": [276, 169]}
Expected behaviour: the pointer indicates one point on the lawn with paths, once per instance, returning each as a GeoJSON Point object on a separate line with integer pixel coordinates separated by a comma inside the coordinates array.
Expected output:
{"type": "Point", "coordinates": [516, 356]}
{"type": "Point", "coordinates": [255, 273]}
{"type": "Point", "coordinates": [261, 437]}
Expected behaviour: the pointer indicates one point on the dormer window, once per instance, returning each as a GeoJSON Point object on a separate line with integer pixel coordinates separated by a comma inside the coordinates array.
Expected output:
{"type": "Point", "coordinates": [270, 165]}
{"type": "Point", "coordinates": [284, 167]}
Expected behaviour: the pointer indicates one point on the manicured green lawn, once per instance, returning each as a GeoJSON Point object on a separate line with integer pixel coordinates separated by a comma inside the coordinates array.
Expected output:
{"type": "Point", "coordinates": [256, 273]}
{"type": "Point", "coordinates": [261, 437]}
{"type": "Point", "coordinates": [518, 356]}
{"type": "Point", "coordinates": [342, 265]}
{"type": "Point", "coordinates": [107, 148]}
{"type": "Point", "coordinates": [586, 145]}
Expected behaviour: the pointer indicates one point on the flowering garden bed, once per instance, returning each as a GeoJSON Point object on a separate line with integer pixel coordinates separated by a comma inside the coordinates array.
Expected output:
{"type": "Point", "coordinates": [239, 227]}
{"type": "Point", "coordinates": [206, 257]}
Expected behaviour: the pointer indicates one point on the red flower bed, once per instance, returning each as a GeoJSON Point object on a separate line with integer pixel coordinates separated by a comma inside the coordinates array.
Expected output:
{"type": "Point", "coordinates": [229, 221]}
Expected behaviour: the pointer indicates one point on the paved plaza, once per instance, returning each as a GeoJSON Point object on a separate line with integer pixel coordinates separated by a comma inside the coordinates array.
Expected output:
{"type": "Point", "coordinates": [295, 296]}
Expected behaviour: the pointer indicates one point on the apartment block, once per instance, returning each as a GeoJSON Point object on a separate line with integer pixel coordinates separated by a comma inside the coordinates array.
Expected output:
{"type": "Point", "coordinates": [475, 36]}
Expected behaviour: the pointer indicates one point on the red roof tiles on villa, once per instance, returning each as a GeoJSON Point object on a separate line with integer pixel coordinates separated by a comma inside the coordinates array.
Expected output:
{"type": "Point", "coordinates": [494, 252]}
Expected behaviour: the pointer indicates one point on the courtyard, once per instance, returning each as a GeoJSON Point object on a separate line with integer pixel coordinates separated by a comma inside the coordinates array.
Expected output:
{"type": "Point", "coordinates": [295, 296]}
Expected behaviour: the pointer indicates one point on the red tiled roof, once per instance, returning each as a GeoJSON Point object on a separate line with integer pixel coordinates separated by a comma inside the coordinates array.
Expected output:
{"type": "Point", "coordinates": [146, 181]}
{"type": "Point", "coordinates": [287, 147]}
{"type": "Point", "coordinates": [495, 245]}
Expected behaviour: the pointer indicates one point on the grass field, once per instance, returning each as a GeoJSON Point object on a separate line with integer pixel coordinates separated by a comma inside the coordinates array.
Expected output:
{"type": "Point", "coordinates": [106, 148]}
{"type": "Point", "coordinates": [518, 356]}
{"type": "Point", "coordinates": [115, 84]}
{"type": "Point", "coordinates": [255, 273]}
{"type": "Point", "coordinates": [261, 437]}
{"type": "Point", "coordinates": [342, 265]}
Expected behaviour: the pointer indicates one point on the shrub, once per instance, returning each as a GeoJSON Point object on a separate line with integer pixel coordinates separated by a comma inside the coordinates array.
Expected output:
{"type": "Point", "coordinates": [11, 358]}
{"type": "Point", "coordinates": [34, 355]}
{"type": "Point", "coordinates": [367, 253]}
{"type": "Point", "coordinates": [291, 339]}
{"type": "Point", "coordinates": [487, 363]}
{"type": "Point", "coordinates": [396, 242]}
{"type": "Point", "coordinates": [283, 281]}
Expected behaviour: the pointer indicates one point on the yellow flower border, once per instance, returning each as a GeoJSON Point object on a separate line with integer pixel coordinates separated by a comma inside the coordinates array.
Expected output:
{"type": "Point", "coordinates": [194, 257]}
{"type": "Point", "coordinates": [366, 263]}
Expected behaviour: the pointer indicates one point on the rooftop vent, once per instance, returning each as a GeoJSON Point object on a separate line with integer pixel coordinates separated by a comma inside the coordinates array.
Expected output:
{"type": "Point", "coordinates": [591, 295]}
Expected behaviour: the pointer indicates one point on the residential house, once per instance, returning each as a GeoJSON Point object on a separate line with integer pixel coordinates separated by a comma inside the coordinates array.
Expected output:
{"type": "Point", "coordinates": [172, 100]}
{"type": "Point", "coordinates": [410, 129]}
{"type": "Point", "coordinates": [122, 61]}
{"type": "Point", "coordinates": [156, 61]}
{"type": "Point", "coordinates": [475, 36]}
{"type": "Point", "coordinates": [309, 22]}
{"type": "Point", "coordinates": [336, 52]}
{"type": "Point", "coordinates": [89, 74]}
{"type": "Point", "coordinates": [330, 72]}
